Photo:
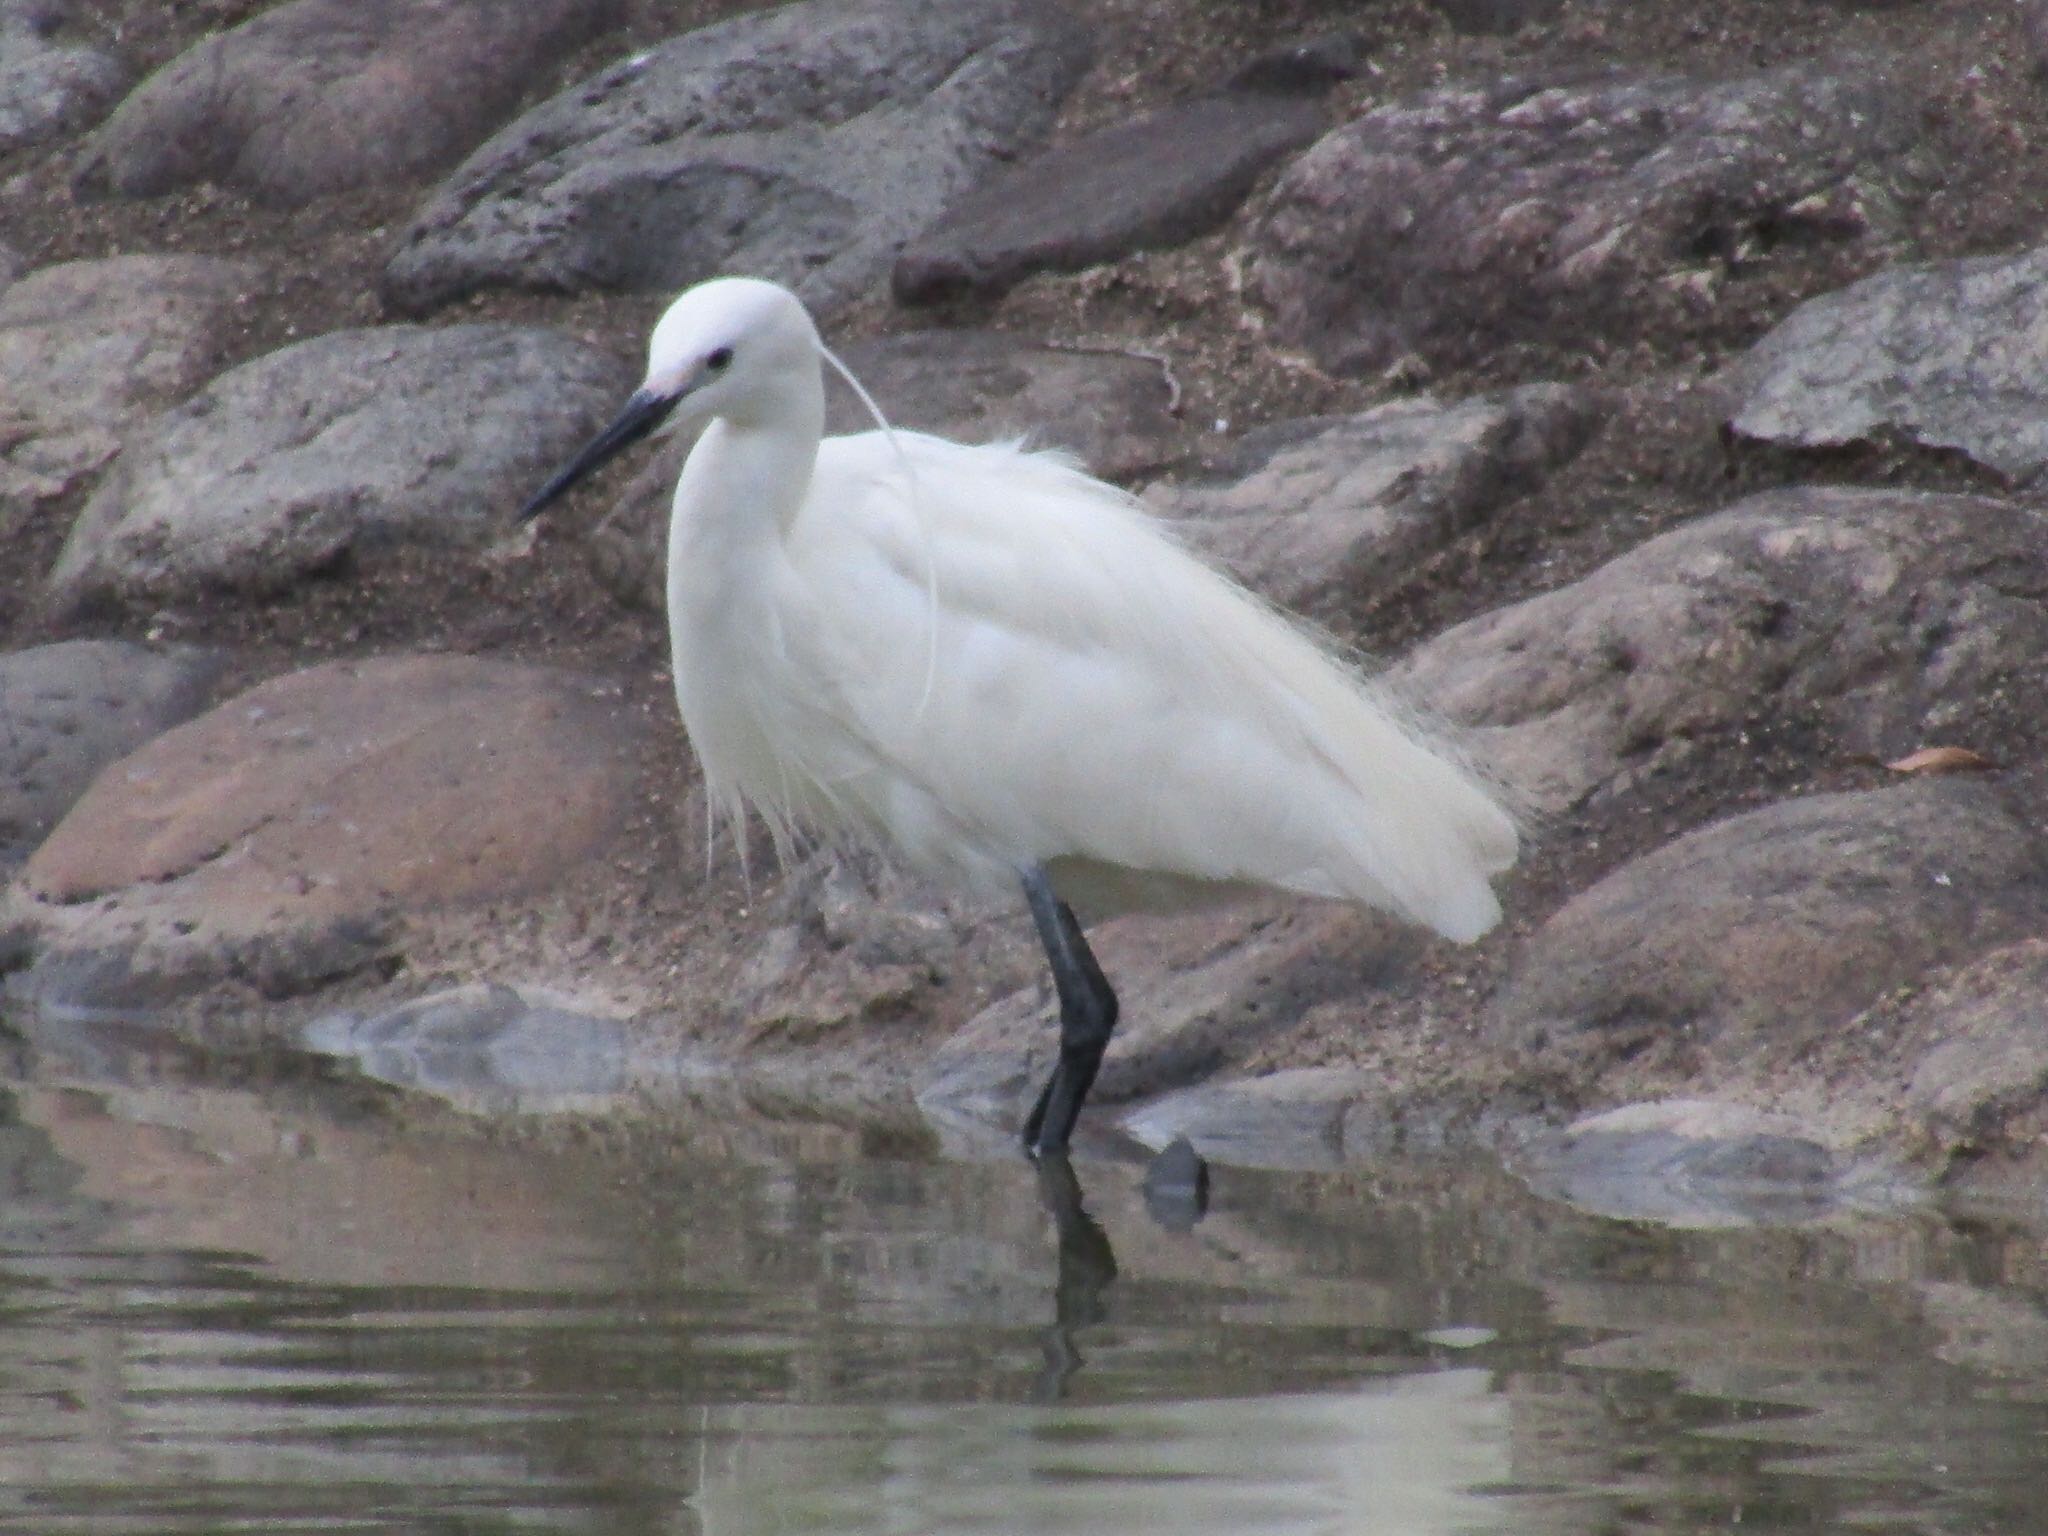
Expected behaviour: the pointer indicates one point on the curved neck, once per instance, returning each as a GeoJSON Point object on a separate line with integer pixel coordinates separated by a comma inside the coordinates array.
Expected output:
{"type": "Point", "coordinates": [766, 448]}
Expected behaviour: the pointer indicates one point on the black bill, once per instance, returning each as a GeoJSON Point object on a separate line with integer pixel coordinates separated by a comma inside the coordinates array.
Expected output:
{"type": "Point", "coordinates": [643, 413]}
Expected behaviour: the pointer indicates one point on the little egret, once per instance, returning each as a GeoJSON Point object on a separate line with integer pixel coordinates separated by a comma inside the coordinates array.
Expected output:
{"type": "Point", "coordinates": [1004, 670]}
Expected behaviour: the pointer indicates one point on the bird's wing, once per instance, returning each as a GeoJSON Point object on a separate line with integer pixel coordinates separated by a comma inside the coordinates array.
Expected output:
{"type": "Point", "coordinates": [1036, 668]}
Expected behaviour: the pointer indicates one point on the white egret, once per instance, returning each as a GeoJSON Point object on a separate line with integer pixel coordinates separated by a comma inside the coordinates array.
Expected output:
{"type": "Point", "coordinates": [1003, 670]}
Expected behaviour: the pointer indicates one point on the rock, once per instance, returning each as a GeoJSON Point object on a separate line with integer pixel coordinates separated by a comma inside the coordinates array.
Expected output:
{"type": "Point", "coordinates": [1154, 182]}
{"type": "Point", "coordinates": [1489, 18]}
{"type": "Point", "coordinates": [1944, 356]}
{"type": "Point", "coordinates": [1109, 409]}
{"type": "Point", "coordinates": [1698, 1164]}
{"type": "Point", "coordinates": [1863, 614]}
{"type": "Point", "coordinates": [1978, 1051]}
{"type": "Point", "coordinates": [48, 89]}
{"type": "Point", "coordinates": [1756, 938]}
{"type": "Point", "coordinates": [11, 264]}
{"type": "Point", "coordinates": [328, 450]}
{"type": "Point", "coordinates": [1478, 213]}
{"type": "Point", "coordinates": [316, 97]}
{"type": "Point", "coordinates": [804, 144]}
{"type": "Point", "coordinates": [489, 1048]}
{"type": "Point", "coordinates": [280, 838]}
{"type": "Point", "coordinates": [69, 709]}
{"type": "Point", "coordinates": [1311, 64]}
{"type": "Point", "coordinates": [1200, 992]}
{"type": "Point", "coordinates": [1305, 508]}
{"type": "Point", "coordinates": [88, 346]}
{"type": "Point", "coordinates": [1289, 1119]}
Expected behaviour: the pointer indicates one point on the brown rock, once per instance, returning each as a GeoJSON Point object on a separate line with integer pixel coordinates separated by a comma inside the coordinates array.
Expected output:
{"type": "Point", "coordinates": [321, 96]}
{"type": "Point", "coordinates": [1769, 930]}
{"type": "Point", "coordinates": [1475, 213]}
{"type": "Point", "coordinates": [320, 803]}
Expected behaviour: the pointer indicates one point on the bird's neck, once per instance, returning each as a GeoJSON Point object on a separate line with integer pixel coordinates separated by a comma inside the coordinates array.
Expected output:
{"type": "Point", "coordinates": [764, 455]}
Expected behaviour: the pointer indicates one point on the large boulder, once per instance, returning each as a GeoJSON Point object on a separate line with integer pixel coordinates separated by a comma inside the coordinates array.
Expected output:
{"type": "Point", "coordinates": [329, 450]}
{"type": "Point", "coordinates": [69, 709]}
{"type": "Point", "coordinates": [322, 96]}
{"type": "Point", "coordinates": [280, 838]}
{"type": "Point", "coordinates": [48, 88]}
{"type": "Point", "coordinates": [1481, 212]}
{"type": "Point", "coordinates": [804, 143]}
{"type": "Point", "coordinates": [1155, 181]}
{"type": "Point", "coordinates": [1945, 356]}
{"type": "Point", "coordinates": [1747, 944]}
{"type": "Point", "coordinates": [1862, 617]}
{"type": "Point", "coordinates": [88, 347]}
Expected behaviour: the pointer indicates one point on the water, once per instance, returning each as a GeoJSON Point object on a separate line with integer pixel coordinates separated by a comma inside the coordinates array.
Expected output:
{"type": "Point", "coordinates": [291, 1305]}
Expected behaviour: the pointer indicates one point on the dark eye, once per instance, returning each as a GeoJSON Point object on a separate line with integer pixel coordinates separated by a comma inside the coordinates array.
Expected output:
{"type": "Point", "coordinates": [720, 360]}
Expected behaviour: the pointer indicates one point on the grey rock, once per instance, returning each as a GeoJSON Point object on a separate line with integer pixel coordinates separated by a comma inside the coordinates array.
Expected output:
{"type": "Point", "coordinates": [1107, 408]}
{"type": "Point", "coordinates": [1289, 1119]}
{"type": "Point", "coordinates": [1305, 508]}
{"type": "Point", "coordinates": [1977, 1041]}
{"type": "Point", "coordinates": [1489, 18]}
{"type": "Point", "coordinates": [331, 449]}
{"type": "Point", "coordinates": [87, 347]}
{"type": "Point", "coordinates": [48, 89]}
{"type": "Point", "coordinates": [1477, 213]}
{"type": "Point", "coordinates": [1758, 937]}
{"type": "Point", "coordinates": [322, 96]}
{"type": "Point", "coordinates": [486, 1047]}
{"type": "Point", "coordinates": [803, 144]}
{"type": "Point", "coordinates": [285, 837]}
{"type": "Point", "coordinates": [1946, 356]}
{"type": "Point", "coordinates": [1154, 182]}
{"type": "Point", "coordinates": [69, 709]}
{"type": "Point", "coordinates": [1861, 613]}
{"type": "Point", "coordinates": [1699, 1164]}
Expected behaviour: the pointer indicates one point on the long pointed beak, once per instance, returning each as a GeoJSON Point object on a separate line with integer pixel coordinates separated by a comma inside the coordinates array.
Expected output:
{"type": "Point", "coordinates": [643, 413]}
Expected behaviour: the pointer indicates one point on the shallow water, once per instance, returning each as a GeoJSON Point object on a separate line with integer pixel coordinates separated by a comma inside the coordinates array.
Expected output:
{"type": "Point", "coordinates": [289, 1305]}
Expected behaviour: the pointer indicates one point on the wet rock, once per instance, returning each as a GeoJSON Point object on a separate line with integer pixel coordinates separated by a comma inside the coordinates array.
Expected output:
{"type": "Point", "coordinates": [1109, 409]}
{"type": "Point", "coordinates": [1699, 1164]}
{"type": "Point", "coordinates": [48, 89]}
{"type": "Point", "coordinates": [1351, 503]}
{"type": "Point", "coordinates": [1481, 212]}
{"type": "Point", "coordinates": [1290, 1119]}
{"type": "Point", "coordinates": [1177, 1186]}
{"type": "Point", "coordinates": [803, 144]}
{"type": "Point", "coordinates": [1945, 356]}
{"type": "Point", "coordinates": [87, 347]}
{"type": "Point", "coordinates": [1863, 613]}
{"type": "Point", "coordinates": [489, 1048]}
{"type": "Point", "coordinates": [1154, 182]}
{"type": "Point", "coordinates": [322, 96]}
{"type": "Point", "coordinates": [327, 450]}
{"type": "Point", "coordinates": [281, 838]}
{"type": "Point", "coordinates": [69, 709]}
{"type": "Point", "coordinates": [1200, 992]}
{"type": "Point", "coordinates": [1760, 935]}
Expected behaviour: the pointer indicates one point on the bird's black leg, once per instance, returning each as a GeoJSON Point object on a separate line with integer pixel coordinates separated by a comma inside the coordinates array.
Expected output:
{"type": "Point", "coordinates": [1087, 1015]}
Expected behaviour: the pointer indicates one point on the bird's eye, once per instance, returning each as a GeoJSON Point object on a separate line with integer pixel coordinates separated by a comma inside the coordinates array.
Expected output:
{"type": "Point", "coordinates": [719, 360]}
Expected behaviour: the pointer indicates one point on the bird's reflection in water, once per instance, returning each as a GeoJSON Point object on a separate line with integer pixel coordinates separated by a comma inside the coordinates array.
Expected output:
{"type": "Point", "coordinates": [1087, 1262]}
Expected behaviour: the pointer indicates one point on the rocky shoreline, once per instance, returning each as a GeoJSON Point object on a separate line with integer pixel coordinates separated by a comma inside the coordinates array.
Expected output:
{"type": "Point", "coordinates": [1660, 397]}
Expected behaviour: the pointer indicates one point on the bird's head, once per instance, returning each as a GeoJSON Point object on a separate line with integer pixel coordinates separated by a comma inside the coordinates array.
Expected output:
{"type": "Point", "coordinates": [725, 348]}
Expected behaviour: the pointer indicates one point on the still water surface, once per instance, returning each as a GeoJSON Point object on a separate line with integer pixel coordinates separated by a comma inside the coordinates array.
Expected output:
{"type": "Point", "coordinates": [282, 1306]}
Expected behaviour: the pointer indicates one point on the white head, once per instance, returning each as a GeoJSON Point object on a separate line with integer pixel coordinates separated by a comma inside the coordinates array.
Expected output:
{"type": "Point", "coordinates": [734, 347]}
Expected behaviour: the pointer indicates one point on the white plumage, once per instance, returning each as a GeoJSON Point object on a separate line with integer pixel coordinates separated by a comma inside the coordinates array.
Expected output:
{"type": "Point", "coordinates": [994, 665]}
